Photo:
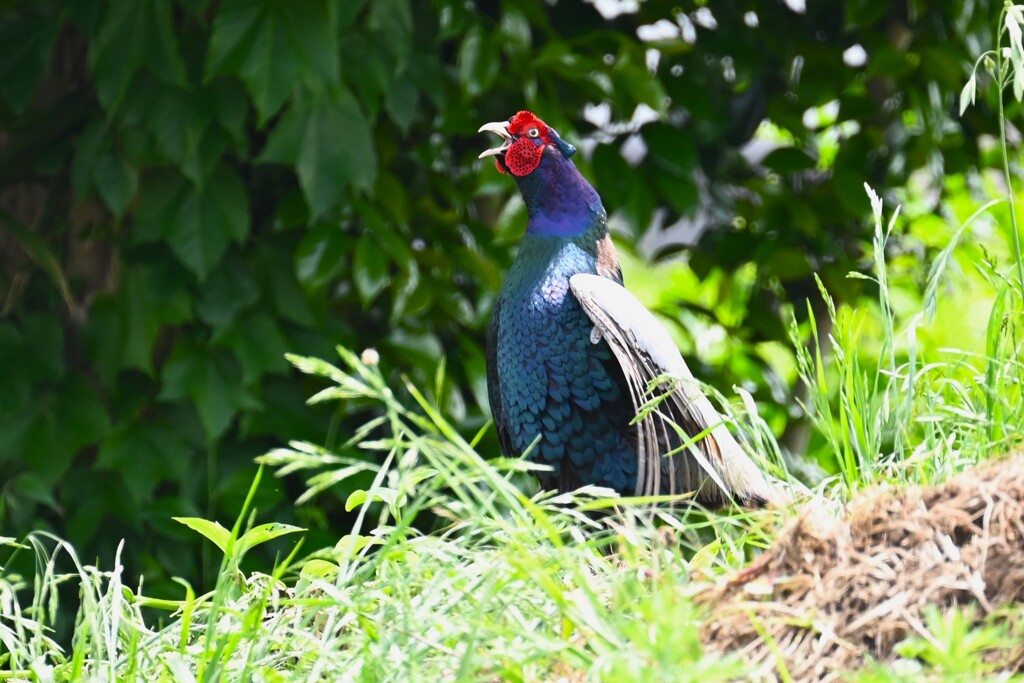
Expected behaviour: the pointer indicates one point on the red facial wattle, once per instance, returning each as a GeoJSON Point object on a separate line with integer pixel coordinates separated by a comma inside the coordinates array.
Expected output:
{"type": "Point", "coordinates": [523, 157]}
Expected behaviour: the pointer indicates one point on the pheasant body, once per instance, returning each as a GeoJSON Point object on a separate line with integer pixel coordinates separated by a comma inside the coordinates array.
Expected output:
{"type": "Point", "coordinates": [562, 387]}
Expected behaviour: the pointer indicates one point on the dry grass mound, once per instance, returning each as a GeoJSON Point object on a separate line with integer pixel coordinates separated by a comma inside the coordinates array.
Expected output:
{"type": "Point", "coordinates": [831, 592]}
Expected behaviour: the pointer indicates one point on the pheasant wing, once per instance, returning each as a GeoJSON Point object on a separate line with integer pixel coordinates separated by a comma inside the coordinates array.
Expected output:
{"type": "Point", "coordinates": [715, 467]}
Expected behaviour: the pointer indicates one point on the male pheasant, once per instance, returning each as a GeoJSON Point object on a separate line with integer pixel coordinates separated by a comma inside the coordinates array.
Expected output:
{"type": "Point", "coordinates": [571, 353]}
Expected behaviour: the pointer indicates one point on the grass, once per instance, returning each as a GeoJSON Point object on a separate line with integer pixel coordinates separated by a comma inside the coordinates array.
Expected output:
{"type": "Point", "coordinates": [516, 587]}
{"type": "Point", "coordinates": [508, 586]}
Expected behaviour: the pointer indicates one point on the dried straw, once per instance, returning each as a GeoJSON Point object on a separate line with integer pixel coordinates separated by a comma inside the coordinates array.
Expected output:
{"type": "Point", "coordinates": [829, 593]}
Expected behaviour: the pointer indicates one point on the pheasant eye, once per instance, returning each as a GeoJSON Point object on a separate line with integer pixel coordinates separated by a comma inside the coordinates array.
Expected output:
{"type": "Point", "coordinates": [533, 132]}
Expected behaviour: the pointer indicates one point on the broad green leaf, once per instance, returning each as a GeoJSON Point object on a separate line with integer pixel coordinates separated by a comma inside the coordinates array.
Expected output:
{"type": "Point", "coordinates": [122, 328]}
{"type": "Point", "coordinates": [390, 22]}
{"type": "Point", "coordinates": [273, 47]}
{"type": "Point", "coordinates": [264, 533]}
{"type": "Point", "coordinates": [210, 379]}
{"type": "Point", "coordinates": [159, 199]}
{"type": "Point", "coordinates": [197, 223]}
{"type": "Point", "coordinates": [478, 62]}
{"type": "Point", "coordinates": [640, 204]}
{"type": "Point", "coordinates": [80, 412]}
{"type": "Point", "coordinates": [134, 35]}
{"type": "Point", "coordinates": [48, 448]}
{"type": "Point", "coordinates": [93, 140]}
{"type": "Point", "coordinates": [311, 570]}
{"type": "Point", "coordinates": [284, 144]}
{"type": "Point", "coordinates": [143, 454]}
{"type": "Point", "coordinates": [27, 44]}
{"type": "Point", "coordinates": [968, 93]}
{"type": "Point", "coordinates": [373, 80]}
{"type": "Point", "coordinates": [227, 99]}
{"type": "Point", "coordinates": [359, 497]}
{"type": "Point", "coordinates": [337, 150]}
{"type": "Point", "coordinates": [116, 182]}
{"type": "Point", "coordinates": [369, 268]}
{"type": "Point", "coordinates": [321, 254]}
{"type": "Point", "coordinates": [259, 345]}
{"type": "Point", "coordinates": [196, 7]}
{"type": "Point", "coordinates": [348, 10]}
{"type": "Point", "coordinates": [789, 160]}
{"type": "Point", "coordinates": [330, 141]}
{"type": "Point", "coordinates": [177, 118]}
{"type": "Point", "coordinates": [280, 288]}
{"type": "Point", "coordinates": [641, 85]}
{"type": "Point", "coordinates": [212, 531]}
{"type": "Point", "coordinates": [229, 290]}
{"type": "Point", "coordinates": [208, 219]}
{"type": "Point", "coordinates": [515, 31]}
{"type": "Point", "coordinates": [44, 349]}
{"type": "Point", "coordinates": [402, 102]}
{"type": "Point", "coordinates": [31, 487]}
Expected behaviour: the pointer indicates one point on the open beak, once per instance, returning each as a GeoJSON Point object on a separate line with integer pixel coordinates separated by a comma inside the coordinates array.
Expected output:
{"type": "Point", "coordinates": [498, 128]}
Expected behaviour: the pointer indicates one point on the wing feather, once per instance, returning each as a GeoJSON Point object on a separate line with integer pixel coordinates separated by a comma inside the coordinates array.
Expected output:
{"type": "Point", "coordinates": [715, 468]}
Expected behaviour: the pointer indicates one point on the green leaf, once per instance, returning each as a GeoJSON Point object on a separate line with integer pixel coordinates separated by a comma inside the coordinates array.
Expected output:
{"type": "Point", "coordinates": [31, 487]}
{"type": "Point", "coordinates": [285, 141]}
{"type": "Point", "coordinates": [207, 219]}
{"type": "Point", "coordinates": [968, 93]}
{"type": "Point", "coordinates": [143, 454]}
{"type": "Point", "coordinates": [27, 46]}
{"type": "Point", "coordinates": [274, 46]}
{"type": "Point", "coordinates": [48, 449]}
{"type": "Point", "coordinates": [122, 328]}
{"type": "Point", "coordinates": [359, 497]}
{"type": "Point", "coordinates": [369, 268]}
{"type": "Point", "coordinates": [477, 61]}
{"type": "Point", "coordinates": [197, 223]}
{"type": "Point", "coordinates": [789, 160]}
{"type": "Point", "coordinates": [176, 118]}
{"type": "Point", "coordinates": [264, 533]}
{"type": "Point", "coordinates": [321, 254]}
{"type": "Point", "coordinates": [281, 289]}
{"type": "Point", "coordinates": [329, 161]}
{"type": "Point", "coordinates": [390, 23]}
{"type": "Point", "coordinates": [515, 31]}
{"type": "Point", "coordinates": [348, 11]}
{"type": "Point", "coordinates": [258, 344]}
{"type": "Point", "coordinates": [116, 182]}
{"type": "Point", "coordinates": [44, 348]}
{"type": "Point", "coordinates": [210, 379]}
{"type": "Point", "coordinates": [80, 413]}
{"type": "Point", "coordinates": [640, 84]}
{"type": "Point", "coordinates": [134, 35]}
{"type": "Point", "coordinates": [308, 136]}
{"type": "Point", "coordinates": [229, 290]}
{"type": "Point", "coordinates": [402, 102]}
{"type": "Point", "coordinates": [212, 531]}
{"type": "Point", "coordinates": [313, 570]}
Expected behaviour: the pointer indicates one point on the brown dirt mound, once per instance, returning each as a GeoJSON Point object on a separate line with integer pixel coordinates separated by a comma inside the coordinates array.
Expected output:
{"type": "Point", "coordinates": [831, 592]}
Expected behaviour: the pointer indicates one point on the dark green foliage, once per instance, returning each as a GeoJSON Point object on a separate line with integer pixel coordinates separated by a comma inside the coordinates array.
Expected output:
{"type": "Point", "coordinates": [190, 189]}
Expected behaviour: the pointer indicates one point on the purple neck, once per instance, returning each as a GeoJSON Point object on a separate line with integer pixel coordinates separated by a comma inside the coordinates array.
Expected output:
{"type": "Point", "coordinates": [559, 200]}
